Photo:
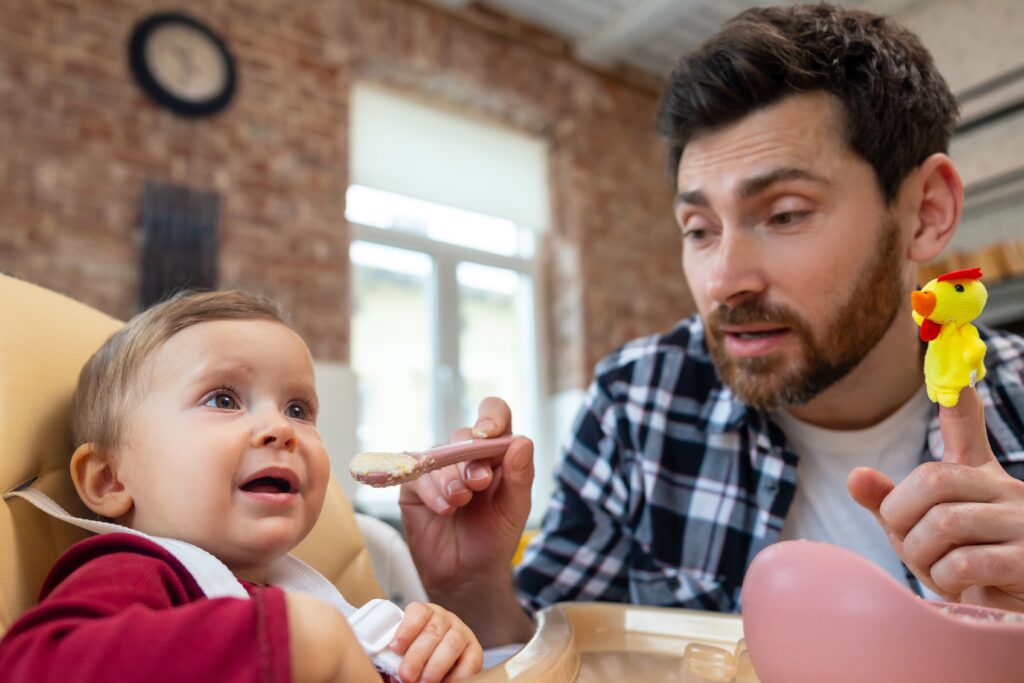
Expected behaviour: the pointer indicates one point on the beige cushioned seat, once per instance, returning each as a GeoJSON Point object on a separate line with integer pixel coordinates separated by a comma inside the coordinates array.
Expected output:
{"type": "Point", "coordinates": [45, 338]}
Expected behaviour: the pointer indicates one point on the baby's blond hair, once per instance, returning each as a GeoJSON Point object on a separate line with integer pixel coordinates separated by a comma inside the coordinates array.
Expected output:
{"type": "Point", "coordinates": [109, 382]}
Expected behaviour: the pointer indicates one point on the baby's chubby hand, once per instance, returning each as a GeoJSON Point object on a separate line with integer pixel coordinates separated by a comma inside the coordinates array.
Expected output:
{"type": "Point", "coordinates": [435, 645]}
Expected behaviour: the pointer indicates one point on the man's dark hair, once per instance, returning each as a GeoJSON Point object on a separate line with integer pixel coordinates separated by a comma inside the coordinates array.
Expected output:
{"type": "Point", "coordinates": [897, 109]}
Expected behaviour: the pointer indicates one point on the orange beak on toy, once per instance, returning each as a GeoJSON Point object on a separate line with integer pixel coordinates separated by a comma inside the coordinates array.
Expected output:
{"type": "Point", "coordinates": [923, 304]}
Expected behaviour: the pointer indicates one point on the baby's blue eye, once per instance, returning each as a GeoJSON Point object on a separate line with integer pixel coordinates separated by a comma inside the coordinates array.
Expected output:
{"type": "Point", "coordinates": [296, 411]}
{"type": "Point", "coordinates": [222, 400]}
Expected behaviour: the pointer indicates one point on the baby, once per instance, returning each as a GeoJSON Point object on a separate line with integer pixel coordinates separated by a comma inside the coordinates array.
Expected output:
{"type": "Point", "coordinates": [197, 422]}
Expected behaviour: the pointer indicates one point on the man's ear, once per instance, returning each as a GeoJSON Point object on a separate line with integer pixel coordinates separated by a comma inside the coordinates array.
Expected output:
{"type": "Point", "coordinates": [94, 473]}
{"type": "Point", "coordinates": [934, 199]}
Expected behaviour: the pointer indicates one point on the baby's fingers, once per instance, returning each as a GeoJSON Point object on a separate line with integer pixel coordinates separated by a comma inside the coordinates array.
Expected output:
{"type": "Point", "coordinates": [422, 649]}
{"type": "Point", "coordinates": [417, 615]}
{"type": "Point", "coordinates": [469, 664]}
{"type": "Point", "coordinates": [457, 656]}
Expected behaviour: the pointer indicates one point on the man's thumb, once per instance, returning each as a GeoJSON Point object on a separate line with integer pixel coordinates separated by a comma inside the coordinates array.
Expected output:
{"type": "Point", "coordinates": [964, 437]}
{"type": "Point", "coordinates": [517, 478]}
{"type": "Point", "coordinates": [869, 488]}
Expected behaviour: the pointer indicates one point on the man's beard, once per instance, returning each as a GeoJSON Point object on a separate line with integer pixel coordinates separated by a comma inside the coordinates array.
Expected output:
{"type": "Point", "coordinates": [860, 323]}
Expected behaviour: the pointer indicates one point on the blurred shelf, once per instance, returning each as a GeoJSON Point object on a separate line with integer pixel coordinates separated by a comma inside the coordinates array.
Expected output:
{"type": "Point", "coordinates": [1005, 302]}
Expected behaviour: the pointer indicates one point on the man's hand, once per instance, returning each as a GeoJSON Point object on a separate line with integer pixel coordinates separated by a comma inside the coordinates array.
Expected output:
{"type": "Point", "coordinates": [958, 524]}
{"type": "Point", "coordinates": [463, 524]}
{"type": "Point", "coordinates": [435, 645]}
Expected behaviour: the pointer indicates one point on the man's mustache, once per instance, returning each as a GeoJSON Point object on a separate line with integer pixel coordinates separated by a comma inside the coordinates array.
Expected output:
{"type": "Point", "coordinates": [753, 311]}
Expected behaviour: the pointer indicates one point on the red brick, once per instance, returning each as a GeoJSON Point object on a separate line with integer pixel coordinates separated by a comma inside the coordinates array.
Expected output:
{"type": "Point", "coordinates": [79, 140]}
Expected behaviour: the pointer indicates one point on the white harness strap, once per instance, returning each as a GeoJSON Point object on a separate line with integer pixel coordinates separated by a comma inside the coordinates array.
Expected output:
{"type": "Point", "coordinates": [374, 623]}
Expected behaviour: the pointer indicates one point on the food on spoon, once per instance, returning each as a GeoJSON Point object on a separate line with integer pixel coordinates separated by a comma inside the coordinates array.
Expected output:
{"type": "Point", "coordinates": [382, 469]}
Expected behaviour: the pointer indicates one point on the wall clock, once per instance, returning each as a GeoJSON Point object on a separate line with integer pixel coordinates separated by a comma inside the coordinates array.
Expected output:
{"type": "Point", "coordinates": [182, 64]}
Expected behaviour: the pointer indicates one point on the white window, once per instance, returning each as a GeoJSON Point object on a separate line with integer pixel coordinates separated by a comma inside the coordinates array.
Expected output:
{"type": "Point", "coordinates": [444, 212]}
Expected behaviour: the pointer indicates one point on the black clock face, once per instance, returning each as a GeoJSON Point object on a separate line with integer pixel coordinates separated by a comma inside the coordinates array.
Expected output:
{"type": "Point", "coordinates": [182, 64]}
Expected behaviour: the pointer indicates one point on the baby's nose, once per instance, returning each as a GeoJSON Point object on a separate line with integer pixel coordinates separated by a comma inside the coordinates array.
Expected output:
{"type": "Point", "coordinates": [278, 433]}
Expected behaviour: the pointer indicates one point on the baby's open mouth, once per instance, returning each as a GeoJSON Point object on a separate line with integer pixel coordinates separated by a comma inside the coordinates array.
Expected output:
{"type": "Point", "coordinates": [276, 481]}
{"type": "Point", "coordinates": [267, 485]}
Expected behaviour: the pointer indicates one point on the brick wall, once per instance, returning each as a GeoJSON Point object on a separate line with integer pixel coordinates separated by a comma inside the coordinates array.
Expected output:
{"type": "Point", "coordinates": [78, 140]}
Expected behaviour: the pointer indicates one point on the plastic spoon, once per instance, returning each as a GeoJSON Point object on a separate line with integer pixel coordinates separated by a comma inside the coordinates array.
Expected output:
{"type": "Point", "coordinates": [390, 469]}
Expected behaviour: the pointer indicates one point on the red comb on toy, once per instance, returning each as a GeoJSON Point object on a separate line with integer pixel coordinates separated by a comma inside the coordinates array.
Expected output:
{"type": "Point", "coordinates": [965, 274]}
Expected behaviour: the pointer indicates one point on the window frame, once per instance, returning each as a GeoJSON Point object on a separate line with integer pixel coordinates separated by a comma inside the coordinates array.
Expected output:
{"type": "Point", "coordinates": [446, 380]}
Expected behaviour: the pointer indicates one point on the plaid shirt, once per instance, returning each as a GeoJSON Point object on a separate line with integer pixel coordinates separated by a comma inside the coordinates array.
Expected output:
{"type": "Point", "coordinates": [670, 485]}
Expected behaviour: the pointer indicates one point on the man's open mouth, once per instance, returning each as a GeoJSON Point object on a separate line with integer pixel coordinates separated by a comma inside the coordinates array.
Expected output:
{"type": "Point", "coordinates": [760, 334]}
{"type": "Point", "coordinates": [750, 341]}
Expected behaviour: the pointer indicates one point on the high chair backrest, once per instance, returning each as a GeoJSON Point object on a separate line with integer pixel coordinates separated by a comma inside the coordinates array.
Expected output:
{"type": "Point", "coordinates": [45, 338]}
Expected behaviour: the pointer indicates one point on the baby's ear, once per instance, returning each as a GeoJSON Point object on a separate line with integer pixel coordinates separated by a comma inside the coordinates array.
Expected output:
{"type": "Point", "coordinates": [94, 473]}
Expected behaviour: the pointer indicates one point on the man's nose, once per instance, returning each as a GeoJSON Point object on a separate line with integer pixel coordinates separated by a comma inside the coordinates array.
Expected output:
{"type": "Point", "coordinates": [736, 273]}
{"type": "Point", "coordinates": [273, 430]}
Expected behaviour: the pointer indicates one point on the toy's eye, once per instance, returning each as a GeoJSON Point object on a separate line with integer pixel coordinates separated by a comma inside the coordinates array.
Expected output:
{"type": "Point", "coordinates": [958, 288]}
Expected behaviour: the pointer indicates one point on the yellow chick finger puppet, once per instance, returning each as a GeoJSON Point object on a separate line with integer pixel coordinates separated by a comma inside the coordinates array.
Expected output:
{"type": "Point", "coordinates": [944, 308]}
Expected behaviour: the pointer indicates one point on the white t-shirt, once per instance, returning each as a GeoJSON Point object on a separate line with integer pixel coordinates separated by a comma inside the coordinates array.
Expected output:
{"type": "Point", "coordinates": [822, 508]}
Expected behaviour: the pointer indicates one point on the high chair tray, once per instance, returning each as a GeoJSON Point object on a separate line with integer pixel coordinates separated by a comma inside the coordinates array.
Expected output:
{"type": "Point", "coordinates": [613, 643]}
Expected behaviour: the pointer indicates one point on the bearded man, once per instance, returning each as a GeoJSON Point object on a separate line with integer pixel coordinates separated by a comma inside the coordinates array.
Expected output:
{"type": "Point", "coordinates": [808, 145]}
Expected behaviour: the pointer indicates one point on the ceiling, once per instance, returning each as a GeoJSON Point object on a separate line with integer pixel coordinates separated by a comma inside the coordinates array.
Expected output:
{"type": "Point", "coordinates": [643, 34]}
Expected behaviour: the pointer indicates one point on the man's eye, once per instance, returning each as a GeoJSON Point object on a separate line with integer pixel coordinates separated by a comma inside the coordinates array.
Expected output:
{"type": "Point", "coordinates": [787, 217]}
{"type": "Point", "coordinates": [695, 234]}
{"type": "Point", "coordinates": [297, 411]}
{"type": "Point", "coordinates": [222, 400]}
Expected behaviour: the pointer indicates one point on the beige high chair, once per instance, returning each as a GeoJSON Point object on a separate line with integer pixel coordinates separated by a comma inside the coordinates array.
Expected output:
{"type": "Point", "coordinates": [45, 338]}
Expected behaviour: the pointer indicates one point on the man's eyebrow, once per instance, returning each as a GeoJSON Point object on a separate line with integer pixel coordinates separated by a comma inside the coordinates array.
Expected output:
{"type": "Point", "coordinates": [693, 197]}
{"type": "Point", "coordinates": [755, 185]}
{"type": "Point", "coordinates": [758, 184]}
